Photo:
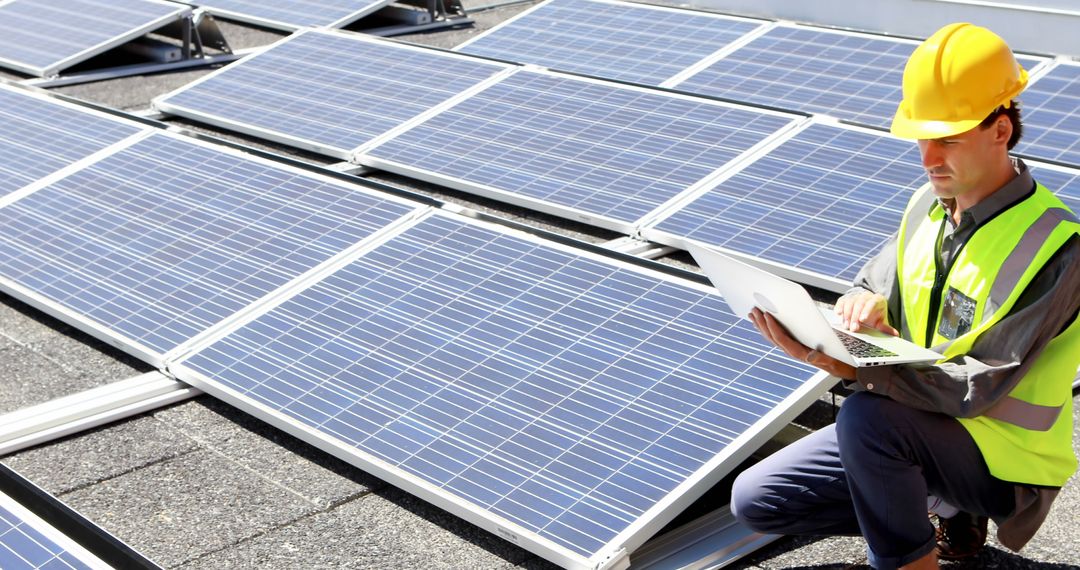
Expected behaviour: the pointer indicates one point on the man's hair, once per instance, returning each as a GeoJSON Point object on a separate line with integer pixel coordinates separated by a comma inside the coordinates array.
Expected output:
{"type": "Point", "coordinates": [1013, 113]}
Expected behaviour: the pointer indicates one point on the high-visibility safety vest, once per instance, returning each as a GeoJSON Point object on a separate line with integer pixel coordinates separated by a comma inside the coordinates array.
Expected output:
{"type": "Point", "coordinates": [1027, 436]}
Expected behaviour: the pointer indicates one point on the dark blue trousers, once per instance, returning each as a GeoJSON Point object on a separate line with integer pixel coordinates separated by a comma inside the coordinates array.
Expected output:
{"type": "Point", "coordinates": [869, 474]}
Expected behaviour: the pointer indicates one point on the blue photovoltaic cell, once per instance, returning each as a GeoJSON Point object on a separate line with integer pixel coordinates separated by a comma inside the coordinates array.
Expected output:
{"type": "Point", "coordinates": [294, 13]}
{"type": "Point", "coordinates": [843, 75]}
{"type": "Point", "coordinates": [168, 237]}
{"type": "Point", "coordinates": [603, 149]}
{"type": "Point", "coordinates": [44, 33]}
{"type": "Point", "coordinates": [562, 393]}
{"type": "Point", "coordinates": [848, 76]}
{"type": "Point", "coordinates": [39, 137]}
{"type": "Point", "coordinates": [610, 39]}
{"type": "Point", "coordinates": [824, 201]}
{"type": "Point", "coordinates": [1064, 183]}
{"type": "Point", "coordinates": [24, 547]}
{"type": "Point", "coordinates": [330, 89]}
{"type": "Point", "coordinates": [1051, 113]}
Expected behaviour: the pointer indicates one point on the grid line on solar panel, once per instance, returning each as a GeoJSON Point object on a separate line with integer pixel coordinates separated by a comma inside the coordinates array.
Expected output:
{"type": "Point", "coordinates": [845, 75]}
{"type": "Point", "coordinates": [561, 393]}
{"type": "Point", "coordinates": [293, 14]}
{"type": "Point", "coordinates": [42, 37]}
{"type": "Point", "coordinates": [39, 136]}
{"type": "Point", "coordinates": [821, 202]}
{"type": "Point", "coordinates": [326, 91]}
{"type": "Point", "coordinates": [28, 543]}
{"type": "Point", "coordinates": [589, 150]}
{"type": "Point", "coordinates": [167, 237]}
{"type": "Point", "coordinates": [1050, 107]}
{"type": "Point", "coordinates": [629, 42]}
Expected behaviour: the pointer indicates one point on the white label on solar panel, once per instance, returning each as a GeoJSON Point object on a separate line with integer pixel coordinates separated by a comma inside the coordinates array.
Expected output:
{"type": "Point", "coordinates": [625, 41]}
{"type": "Point", "coordinates": [28, 542]}
{"type": "Point", "coordinates": [539, 391]}
{"type": "Point", "coordinates": [812, 207]}
{"type": "Point", "coordinates": [585, 149]}
{"type": "Point", "coordinates": [1051, 114]}
{"type": "Point", "coordinates": [327, 91]}
{"type": "Point", "coordinates": [157, 242]}
{"type": "Point", "coordinates": [43, 37]}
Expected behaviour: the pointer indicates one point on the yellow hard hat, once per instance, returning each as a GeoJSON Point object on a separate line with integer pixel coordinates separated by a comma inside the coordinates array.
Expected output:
{"type": "Point", "coordinates": [954, 80]}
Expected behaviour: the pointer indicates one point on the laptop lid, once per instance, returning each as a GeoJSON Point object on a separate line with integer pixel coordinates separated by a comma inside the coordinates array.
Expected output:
{"type": "Point", "coordinates": [744, 287]}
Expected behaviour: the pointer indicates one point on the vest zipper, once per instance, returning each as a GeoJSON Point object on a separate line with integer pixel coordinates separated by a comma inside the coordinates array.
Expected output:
{"type": "Point", "coordinates": [940, 276]}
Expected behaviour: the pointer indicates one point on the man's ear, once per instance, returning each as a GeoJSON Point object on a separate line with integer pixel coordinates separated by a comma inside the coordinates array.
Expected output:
{"type": "Point", "coordinates": [1002, 129]}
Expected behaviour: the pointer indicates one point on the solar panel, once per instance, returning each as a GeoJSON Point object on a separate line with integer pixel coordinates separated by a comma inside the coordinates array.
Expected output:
{"type": "Point", "coordinates": [167, 237]}
{"type": "Point", "coordinates": [43, 37]}
{"type": "Point", "coordinates": [593, 151]}
{"type": "Point", "coordinates": [290, 15]}
{"type": "Point", "coordinates": [40, 135]}
{"type": "Point", "coordinates": [845, 75]}
{"type": "Point", "coordinates": [326, 91]}
{"type": "Point", "coordinates": [1051, 113]}
{"type": "Point", "coordinates": [611, 39]}
{"type": "Point", "coordinates": [29, 543]}
{"type": "Point", "coordinates": [1064, 182]}
{"type": "Point", "coordinates": [819, 205]}
{"type": "Point", "coordinates": [558, 399]}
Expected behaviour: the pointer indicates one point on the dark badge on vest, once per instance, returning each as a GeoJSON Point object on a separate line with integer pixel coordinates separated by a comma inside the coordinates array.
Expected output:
{"type": "Point", "coordinates": [957, 314]}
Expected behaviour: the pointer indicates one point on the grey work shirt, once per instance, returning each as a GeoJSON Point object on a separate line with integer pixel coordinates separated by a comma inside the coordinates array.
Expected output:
{"type": "Point", "coordinates": [968, 385]}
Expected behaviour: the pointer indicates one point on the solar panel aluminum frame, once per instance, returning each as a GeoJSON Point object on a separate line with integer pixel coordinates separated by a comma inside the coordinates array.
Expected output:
{"type": "Point", "coordinates": [49, 532]}
{"type": "Point", "coordinates": [719, 54]}
{"type": "Point", "coordinates": [55, 99]}
{"type": "Point", "coordinates": [1036, 74]}
{"type": "Point", "coordinates": [161, 103]}
{"type": "Point", "coordinates": [613, 556]}
{"type": "Point", "coordinates": [180, 13]}
{"type": "Point", "coordinates": [130, 346]}
{"type": "Point", "coordinates": [1036, 164]}
{"type": "Point", "coordinates": [286, 26]}
{"type": "Point", "coordinates": [510, 21]}
{"type": "Point", "coordinates": [1040, 61]}
{"type": "Point", "coordinates": [363, 157]}
{"type": "Point", "coordinates": [813, 278]}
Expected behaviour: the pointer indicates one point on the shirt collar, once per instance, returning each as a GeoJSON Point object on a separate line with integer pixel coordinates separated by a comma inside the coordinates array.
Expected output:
{"type": "Point", "coordinates": [1012, 192]}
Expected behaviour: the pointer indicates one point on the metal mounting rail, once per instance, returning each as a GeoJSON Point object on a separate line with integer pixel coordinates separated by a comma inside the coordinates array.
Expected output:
{"type": "Point", "coordinates": [71, 414]}
{"type": "Point", "coordinates": [638, 247]}
{"type": "Point", "coordinates": [712, 541]}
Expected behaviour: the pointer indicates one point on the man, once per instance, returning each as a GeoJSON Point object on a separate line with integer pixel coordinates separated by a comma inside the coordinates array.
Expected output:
{"type": "Point", "coordinates": [985, 268]}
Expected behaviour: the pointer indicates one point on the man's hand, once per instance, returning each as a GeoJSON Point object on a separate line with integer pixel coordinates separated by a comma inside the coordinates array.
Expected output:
{"type": "Point", "coordinates": [865, 309]}
{"type": "Point", "coordinates": [775, 333]}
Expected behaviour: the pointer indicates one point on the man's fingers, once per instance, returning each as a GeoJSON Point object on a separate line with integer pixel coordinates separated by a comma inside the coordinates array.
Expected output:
{"type": "Point", "coordinates": [783, 339]}
{"type": "Point", "coordinates": [755, 317]}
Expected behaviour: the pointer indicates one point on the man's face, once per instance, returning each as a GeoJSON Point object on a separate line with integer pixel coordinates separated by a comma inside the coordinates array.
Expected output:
{"type": "Point", "coordinates": [960, 163]}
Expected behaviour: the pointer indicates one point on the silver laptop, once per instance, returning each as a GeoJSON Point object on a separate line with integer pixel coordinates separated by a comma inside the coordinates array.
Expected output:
{"type": "Point", "coordinates": [745, 287]}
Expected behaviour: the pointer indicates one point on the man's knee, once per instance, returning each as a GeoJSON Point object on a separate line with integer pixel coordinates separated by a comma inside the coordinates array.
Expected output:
{"type": "Point", "coordinates": [753, 504]}
{"type": "Point", "coordinates": [861, 417]}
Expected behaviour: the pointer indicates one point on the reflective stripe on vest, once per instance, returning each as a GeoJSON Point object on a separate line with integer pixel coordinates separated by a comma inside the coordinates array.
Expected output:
{"type": "Point", "coordinates": [1027, 435]}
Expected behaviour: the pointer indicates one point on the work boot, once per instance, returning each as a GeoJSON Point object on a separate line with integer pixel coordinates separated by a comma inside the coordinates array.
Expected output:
{"type": "Point", "coordinates": [961, 536]}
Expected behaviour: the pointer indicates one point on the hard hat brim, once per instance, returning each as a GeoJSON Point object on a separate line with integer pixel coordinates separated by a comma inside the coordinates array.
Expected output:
{"type": "Point", "coordinates": [906, 128]}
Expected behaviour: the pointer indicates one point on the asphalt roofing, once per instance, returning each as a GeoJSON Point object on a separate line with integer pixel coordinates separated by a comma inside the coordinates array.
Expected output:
{"type": "Point", "coordinates": [202, 485]}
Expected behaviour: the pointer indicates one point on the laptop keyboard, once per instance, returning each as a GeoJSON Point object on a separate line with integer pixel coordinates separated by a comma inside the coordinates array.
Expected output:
{"type": "Point", "coordinates": [859, 348]}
